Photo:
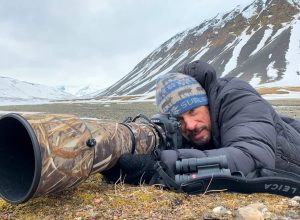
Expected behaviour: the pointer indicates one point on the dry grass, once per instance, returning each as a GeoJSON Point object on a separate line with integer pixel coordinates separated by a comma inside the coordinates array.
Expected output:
{"type": "Point", "coordinates": [151, 98]}
{"type": "Point", "coordinates": [124, 98]}
{"type": "Point", "coordinates": [96, 199]}
{"type": "Point", "coordinates": [277, 90]}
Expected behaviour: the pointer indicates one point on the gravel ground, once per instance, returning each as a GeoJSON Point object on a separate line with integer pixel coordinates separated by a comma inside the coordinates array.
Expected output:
{"type": "Point", "coordinates": [119, 112]}
{"type": "Point", "coordinates": [112, 111]}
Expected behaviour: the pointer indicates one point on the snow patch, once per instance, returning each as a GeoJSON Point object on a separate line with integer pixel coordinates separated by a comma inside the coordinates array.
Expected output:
{"type": "Point", "coordinates": [271, 71]}
{"type": "Point", "coordinates": [293, 56]}
{"type": "Point", "coordinates": [202, 52]}
{"type": "Point", "coordinates": [249, 12]}
{"type": "Point", "coordinates": [294, 2]}
{"type": "Point", "coordinates": [239, 75]}
{"type": "Point", "coordinates": [255, 81]}
{"type": "Point", "coordinates": [261, 44]}
{"type": "Point", "coordinates": [241, 41]}
{"type": "Point", "coordinates": [172, 42]}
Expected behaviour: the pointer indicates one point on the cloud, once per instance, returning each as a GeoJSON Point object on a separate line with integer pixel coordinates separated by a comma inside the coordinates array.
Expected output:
{"type": "Point", "coordinates": [78, 42]}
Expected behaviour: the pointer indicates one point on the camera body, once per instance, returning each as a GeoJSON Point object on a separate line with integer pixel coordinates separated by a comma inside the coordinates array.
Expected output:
{"type": "Point", "coordinates": [171, 128]}
{"type": "Point", "coordinates": [191, 168]}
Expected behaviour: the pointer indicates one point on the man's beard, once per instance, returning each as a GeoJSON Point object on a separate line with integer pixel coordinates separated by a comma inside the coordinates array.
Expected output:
{"type": "Point", "coordinates": [201, 141]}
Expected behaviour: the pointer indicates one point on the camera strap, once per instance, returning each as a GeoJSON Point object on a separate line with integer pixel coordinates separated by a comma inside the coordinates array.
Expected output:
{"type": "Point", "coordinates": [161, 177]}
{"type": "Point", "coordinates": [274, 182]}
{"type": "Point", "coordinates": [275, 185]}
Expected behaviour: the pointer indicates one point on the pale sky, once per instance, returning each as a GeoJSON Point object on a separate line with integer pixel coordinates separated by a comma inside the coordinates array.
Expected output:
{"type": "Point", "coordinates": [80, 42]}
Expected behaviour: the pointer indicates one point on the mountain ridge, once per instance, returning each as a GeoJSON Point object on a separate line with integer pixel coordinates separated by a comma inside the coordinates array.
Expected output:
{"type": "Point", "coordinates": [252, 43]}
{"type": "Point", "coordinates": [258, 42]}
{"type": "Point", "coordinates": [16, 91]}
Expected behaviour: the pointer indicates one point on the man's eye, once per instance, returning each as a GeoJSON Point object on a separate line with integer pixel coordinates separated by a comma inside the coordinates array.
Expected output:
{"type": "Point", "coordinates": [192, 111]}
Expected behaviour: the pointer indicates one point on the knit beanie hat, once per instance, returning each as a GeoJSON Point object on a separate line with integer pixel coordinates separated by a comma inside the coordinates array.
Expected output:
{"type": "Point", "coordinates": [177, 93]}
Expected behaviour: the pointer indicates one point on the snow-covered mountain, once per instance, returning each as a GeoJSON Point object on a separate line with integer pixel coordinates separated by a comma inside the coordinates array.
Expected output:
{"type": "Point", "coordinates": [81, 90]}
{"type": "Point", "coordinates": [14, 91]}
{"type": "Point", "coordinates": [259, 43]}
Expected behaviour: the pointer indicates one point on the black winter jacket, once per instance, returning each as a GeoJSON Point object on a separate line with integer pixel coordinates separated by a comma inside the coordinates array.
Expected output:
{"type": "Point", "coordinates": [245, 127]}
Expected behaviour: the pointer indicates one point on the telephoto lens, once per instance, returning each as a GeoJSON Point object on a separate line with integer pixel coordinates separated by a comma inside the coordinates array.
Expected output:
{"type": "Point", "coordinates": [46, 153]}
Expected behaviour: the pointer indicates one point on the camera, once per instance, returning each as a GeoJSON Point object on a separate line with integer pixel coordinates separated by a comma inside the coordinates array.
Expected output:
{"type": "Point", "coordinates": [170, 126]}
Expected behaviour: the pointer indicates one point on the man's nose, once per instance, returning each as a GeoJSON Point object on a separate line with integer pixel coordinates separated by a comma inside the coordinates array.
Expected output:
{"type": "Point", "coordinates": [190, 123]}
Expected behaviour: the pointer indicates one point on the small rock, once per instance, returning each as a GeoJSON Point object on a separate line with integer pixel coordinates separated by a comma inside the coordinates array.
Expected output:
{"type": "Point", "coordinates": [259, 206]}
{"type": "Point", "coordinates": [92, 213]}
{"type": "Point", "coordinates": [88, 207]}
{"type": "Point", "coordinates": [78, 213]}
{"type": "Point", "coordinates": [296, 198]}
{"type": "Point", "coordinates": [249, 213]}
{"type": "Point", "coordinates": [98, 200]}
{"type": "Point", "coordinates": [220, 210]}
{"type": "Point", "coordinates": [293, 203]}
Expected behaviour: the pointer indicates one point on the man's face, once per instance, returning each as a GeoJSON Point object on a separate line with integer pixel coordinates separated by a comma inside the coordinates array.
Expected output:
{"type": "Point", "coordinates": [196, 125]}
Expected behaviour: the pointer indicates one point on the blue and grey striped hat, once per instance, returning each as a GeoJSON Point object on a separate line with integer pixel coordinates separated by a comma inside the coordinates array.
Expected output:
{"type": "Point", "coordinates": [177, 93]}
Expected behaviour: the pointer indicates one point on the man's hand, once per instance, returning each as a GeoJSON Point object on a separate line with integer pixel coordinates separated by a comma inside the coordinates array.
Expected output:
{"type": "Point", "coordinates": [132, 168]}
